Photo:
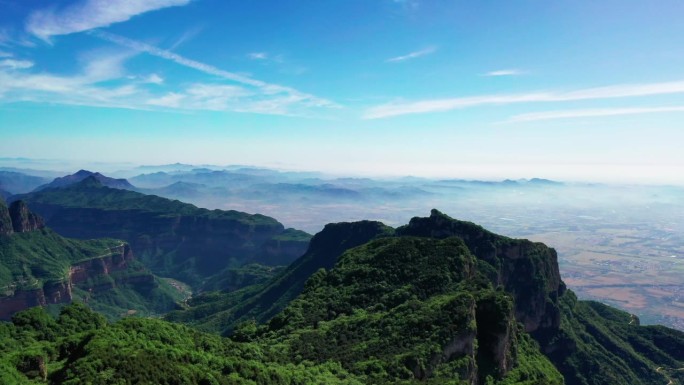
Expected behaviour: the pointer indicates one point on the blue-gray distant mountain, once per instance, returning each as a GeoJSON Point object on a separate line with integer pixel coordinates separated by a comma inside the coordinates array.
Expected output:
{"type": "Point", "coordinates": [18, 183]}
{"type": "Point", "coordinates": [4, 195]}
{"type": "Point", "coordinates": [68, 180]}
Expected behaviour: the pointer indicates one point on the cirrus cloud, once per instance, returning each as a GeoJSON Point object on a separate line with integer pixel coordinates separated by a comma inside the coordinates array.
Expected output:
{"type": "Point", "coordinates": [595, 93]}
{"type": "Point", "coordinates": [90, 14]}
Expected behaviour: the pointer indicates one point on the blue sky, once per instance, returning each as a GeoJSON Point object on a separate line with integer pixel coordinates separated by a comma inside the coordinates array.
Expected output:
{"type": "Point", "coordinates": [577, 90]}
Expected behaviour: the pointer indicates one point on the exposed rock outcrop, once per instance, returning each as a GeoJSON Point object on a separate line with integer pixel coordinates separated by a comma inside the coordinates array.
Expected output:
{"type": "Point", "coordinates": [5, 220]}
{"type": "Point", "coordinates": [527, 270]}
{"type": "Point", "coordinates": [23, 220]}
{"type": "Point", "coordinates": [83, 275]}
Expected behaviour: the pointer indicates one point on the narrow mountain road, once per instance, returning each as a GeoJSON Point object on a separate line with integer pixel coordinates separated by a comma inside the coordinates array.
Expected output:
{"type": "Point", "coordinates": [110, 251]}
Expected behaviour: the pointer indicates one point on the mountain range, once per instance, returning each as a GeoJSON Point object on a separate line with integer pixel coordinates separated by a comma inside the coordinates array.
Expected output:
{"type": "Point", "coordinates": [437, 301]}
{"type": "Point", "coordinates": [245, 300]}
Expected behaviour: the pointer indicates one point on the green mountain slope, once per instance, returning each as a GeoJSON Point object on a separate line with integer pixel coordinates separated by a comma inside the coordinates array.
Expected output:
{"type": "Point", "coordinates": [589, 343]}
{"type": "Point", "coordinates": [79, 347]}
{"type": "Point", "coordinates": [172, 238]}
{"type": "Point", "coordinates": [598, 344]}
{"type": "Point", "coordinates": [407, 309]}
{"type": "Point", "coordinates": [221, 312]}
{"type": "Point", "coordinates": [438, 301]}
{"type": "Point", "coordinates": [38, 267]}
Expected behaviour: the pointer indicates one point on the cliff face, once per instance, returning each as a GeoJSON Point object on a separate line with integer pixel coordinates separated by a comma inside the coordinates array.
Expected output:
{"type": "Point", "coordinates": [411, 308]}
{"type": "Point", "coordinates": [527, 270]}
{"type": "Point", "coordinates": [5, 220]}
{"type": "Point", "coordinates": [40, 268]}
{"type": "Point", "coordinates": [24, 220]}
{"type": "Point", "coordinates": [83, 275]}
{"type": "Point", "coordinates": [18, 219]}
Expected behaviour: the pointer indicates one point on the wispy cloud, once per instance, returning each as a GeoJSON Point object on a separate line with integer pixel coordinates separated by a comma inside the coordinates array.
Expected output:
{"type": "Point", "coordinates": [570, 114]}
{"type": "Point", "coordinates": [78, 89]}
{"type": "Point", "coordinates": [257, 55]}
{"type": "Point", "coordinates": [506, 72]}
{"type": "Point", "coordinates": [264, 88]}
{"type": "Point", "coordinates": [16, 64]}
{"type": "Point", "coordinates": [153, 79]}
{"type": "Point", "coordinates": [90, 14]}
{"type": "Point", "coordinates": [5, 54]}
{"type": "Point", "coordinates": [103, 81]}
{"type": "Point", "coordinates": [12, 38]}
{"type": "Point", "coordinates": [412, 55]}
{"type": "Point", "coordinates": [186, 37]}
{"type": "Point", "coordinates": [609, 92]}
{"type": "Point", "coordinates": [170, 100]}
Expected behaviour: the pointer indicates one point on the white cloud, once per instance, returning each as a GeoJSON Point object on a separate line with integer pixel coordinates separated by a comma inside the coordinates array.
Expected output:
{"type": "Point", "coordinates": [507, 72]}
{"type": "Point", "coordinates": [90, 14]}
{"type": "Point", "coordinates": [16, 64]}
{"type": "Point", "coordinates": [172, 100]}
{"type": "Point", "coordinates": [185, 37]}
{"type": "Point", "coordinates": [153, 79]}
{"type": "Point", "coordinates": [213, 97]}
{"type": "Point", "coordinates": [104, 82]}
{"type": "Point", "coordinates": [78, 89]}
{"type": "Point", "coordinates": [263, 87]}
{"type": "Point", "coordinates": [9, 38]}
{"type": "Point", "coordinates": [609, 92]}
{"type": "Point", "coordinates": [5, 54]}
{"type": "Point", "coordinates": [103, 65]}
{"type": "Point", "coordinates": [569, 114]}
{"type": "Point", "coordinates": [412, 55]}
{"type": "Point", "coordinates": [257, 55]}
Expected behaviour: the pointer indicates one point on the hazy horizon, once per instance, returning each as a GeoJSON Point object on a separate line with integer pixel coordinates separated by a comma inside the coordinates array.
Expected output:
{"type": "Point", "coordinates": [573, 90]}
{"type": "Point", "coordinates": [461, 172]}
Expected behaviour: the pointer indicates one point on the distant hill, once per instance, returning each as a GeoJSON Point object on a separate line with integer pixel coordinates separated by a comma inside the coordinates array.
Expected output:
{"type": "Point", "coordinates": [83, 174]}
{"type": "Point", "coordinates": [172, 238]}
{"type": "Point", "coordinates": [17, 183]}
{"type": "Point", "coordinates": [177, 189]}
{"type": "Point", "coordinates": [205, 177]}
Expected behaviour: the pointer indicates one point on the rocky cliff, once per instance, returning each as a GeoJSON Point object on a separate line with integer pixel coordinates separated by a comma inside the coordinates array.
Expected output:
{"type": "Point", "coordinates": [24, 220]}
{"type": "Point", "coordinates": [38, 267]}
{"type": "Point", "coordinates": [6, 227]}
{"type": "Point", "coordinates": [22, 294]}
{"type": "Point", "coordinates": [527, 270]}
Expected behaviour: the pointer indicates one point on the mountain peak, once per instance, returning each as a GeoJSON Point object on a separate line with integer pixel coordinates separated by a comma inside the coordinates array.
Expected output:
{"type": "Point", "coordinates": [81, 175]}
{"type": "Point", "coordinates": [90, 181]}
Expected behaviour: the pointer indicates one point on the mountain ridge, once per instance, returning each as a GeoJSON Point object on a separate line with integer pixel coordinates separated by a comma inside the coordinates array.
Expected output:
{"type": "Point", "coordinates": [173, 238]}
{"type": "Point", "coordinates": [81, 175]}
